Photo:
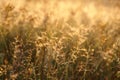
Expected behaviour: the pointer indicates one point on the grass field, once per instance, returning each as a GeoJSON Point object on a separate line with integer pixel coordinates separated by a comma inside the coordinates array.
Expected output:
{"type": "Point", "coordinates": [59, 40]}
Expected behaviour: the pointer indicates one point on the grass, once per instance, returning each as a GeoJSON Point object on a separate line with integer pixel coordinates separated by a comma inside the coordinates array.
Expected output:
{"type": "Point", "coordinates": [77, 44]}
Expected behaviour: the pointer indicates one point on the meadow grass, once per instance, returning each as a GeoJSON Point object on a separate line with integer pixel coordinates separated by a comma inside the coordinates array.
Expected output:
{"type": "Point", "coordinates": [59, 40]}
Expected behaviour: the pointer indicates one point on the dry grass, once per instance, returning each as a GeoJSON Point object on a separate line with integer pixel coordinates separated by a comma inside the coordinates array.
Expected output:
{"type": "Point", "coordinates": [59, 40]}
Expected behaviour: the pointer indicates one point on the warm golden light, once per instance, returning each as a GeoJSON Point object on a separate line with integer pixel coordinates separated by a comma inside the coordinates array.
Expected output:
{"type": "Point", "coordinates": [59, 39]}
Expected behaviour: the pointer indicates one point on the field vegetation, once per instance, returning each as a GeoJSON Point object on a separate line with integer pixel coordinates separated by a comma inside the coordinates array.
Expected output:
{"type": "Point", "coordinates": [59, 40]}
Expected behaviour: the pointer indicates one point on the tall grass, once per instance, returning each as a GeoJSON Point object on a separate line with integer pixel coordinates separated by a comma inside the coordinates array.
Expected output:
{"type": "Point", "coordinates": [66, 42]}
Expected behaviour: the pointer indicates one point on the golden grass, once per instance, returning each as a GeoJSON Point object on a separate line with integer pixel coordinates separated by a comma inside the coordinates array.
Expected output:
{"type": "Point", "coordinates": [59, 40]}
